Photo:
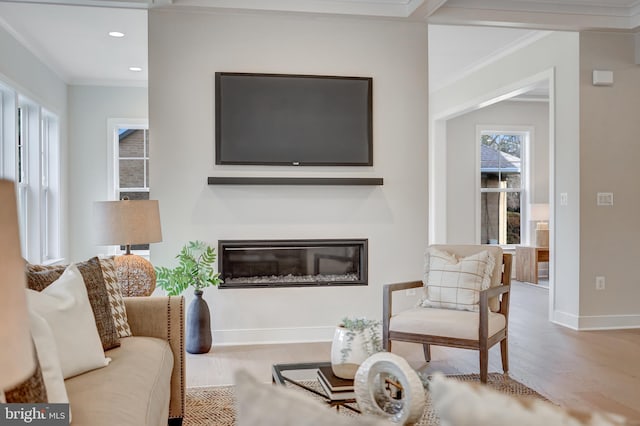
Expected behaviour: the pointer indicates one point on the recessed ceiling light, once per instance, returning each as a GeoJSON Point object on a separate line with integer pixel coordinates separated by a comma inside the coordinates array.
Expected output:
{"type": "Point", "coordinates": [116, 34]}
{"type": "Point", "coordinates": [135, 69]}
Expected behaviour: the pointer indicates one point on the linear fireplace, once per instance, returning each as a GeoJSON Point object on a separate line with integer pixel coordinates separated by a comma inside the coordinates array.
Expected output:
{"type": "Point", "coordinates": [292, 263]}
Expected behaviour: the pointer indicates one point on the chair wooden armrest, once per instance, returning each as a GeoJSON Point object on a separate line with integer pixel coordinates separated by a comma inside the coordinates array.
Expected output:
{"type": "Point", "coordinates": [387, 299]}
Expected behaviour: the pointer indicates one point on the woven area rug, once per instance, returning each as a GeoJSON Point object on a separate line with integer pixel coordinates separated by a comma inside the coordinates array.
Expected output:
{"type": "Point", "coordinates": [216, 405]}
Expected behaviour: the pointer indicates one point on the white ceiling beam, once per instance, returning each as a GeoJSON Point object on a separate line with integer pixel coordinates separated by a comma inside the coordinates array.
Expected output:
{"type": "Point", "coordinates": [534, 20]}
{"type": "Point", "coordinates": [388, 8]}
{"type": "Point", "coordinates": [422, 9]}
{"type": "Point", "coordinates": [119, 4]}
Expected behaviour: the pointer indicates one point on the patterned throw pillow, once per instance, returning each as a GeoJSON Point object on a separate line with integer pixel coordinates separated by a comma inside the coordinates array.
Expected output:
{"type": "Point", "coordinates": [455, 283]}
{"type": "Point", "coordinates": [31, 391]}
{"type": "Point", "coordinates": [118, 310]}
{"type": "Point", "coordinates": [39, 277]}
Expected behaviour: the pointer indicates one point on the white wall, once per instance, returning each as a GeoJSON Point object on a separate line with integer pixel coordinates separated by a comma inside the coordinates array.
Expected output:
{"type": "Point", "coordinates": [462, 168]}
{"type": "Point", "coordinates": [185, 50]}
{"type": "Point", "coordinates": [556, 56]}
{"type": "Point", "coordinates": [609, 153]}
{"type": "Point", "coordinates": [90, 107]}
{"type": "Point", "coordinates": [25, 73]}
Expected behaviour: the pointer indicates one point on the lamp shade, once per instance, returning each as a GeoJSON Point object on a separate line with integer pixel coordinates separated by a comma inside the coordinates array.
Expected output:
{"type": "Point", "coordinates": [127, 222]}
{"type": "Point", "coordinates": [16, 348]}
{"type": "Point", "coordinates": [538, 212]}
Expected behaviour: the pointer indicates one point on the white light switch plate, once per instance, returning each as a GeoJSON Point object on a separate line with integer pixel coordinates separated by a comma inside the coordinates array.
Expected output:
{"type": "Point", "coordinates": [605, 199]}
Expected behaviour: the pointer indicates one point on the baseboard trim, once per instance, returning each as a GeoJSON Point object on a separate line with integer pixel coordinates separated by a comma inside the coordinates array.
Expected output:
{"type": "Point", "coordinates": [609, 322]}
{"type": "Point", "coordinates": [566, 319]}
{"type": "Point", "coordinates": [595, 322]}
{"type": "Point", "coordinates": [263, 336]}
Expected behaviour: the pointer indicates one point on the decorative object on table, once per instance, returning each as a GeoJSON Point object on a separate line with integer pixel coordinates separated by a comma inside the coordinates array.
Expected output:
{"type": "Point", "coordinates": [335, 388]}
{"type": "Point", "coordinates": [539, 213]}
{"type": "Point", "coordinates": [129, 222]}
{"type": "Point", "coordinates": [386, 386]}
{"type": "Point", "coordinates": [195, 269]}
{"type": "Point", "coordinates": [16, 348]}
{"type": "Point", "coordinates": [354, 341]}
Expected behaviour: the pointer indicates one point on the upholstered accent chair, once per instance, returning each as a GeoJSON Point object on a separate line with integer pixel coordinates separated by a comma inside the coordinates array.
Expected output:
{"type": "Point", "coordinates": [469, 327]}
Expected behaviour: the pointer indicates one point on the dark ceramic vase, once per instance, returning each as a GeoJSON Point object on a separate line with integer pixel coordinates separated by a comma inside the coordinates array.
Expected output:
{"type": "Point", "coordinates": [198, 326]}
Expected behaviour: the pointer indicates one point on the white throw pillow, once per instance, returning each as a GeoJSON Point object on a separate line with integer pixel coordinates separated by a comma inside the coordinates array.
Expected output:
{"type": "Point", "coordinates": [455, 283]}
{"type": "Point", "coordinates": [48, 358]}
{"type": "Point", "coordinates": [464, 404]}
{"type": "Point", "coordinates": [64, 305]}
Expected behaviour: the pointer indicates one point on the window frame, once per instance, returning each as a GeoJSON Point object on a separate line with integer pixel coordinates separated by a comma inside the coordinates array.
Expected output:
{"type": "Point", "coordinates": [113, 167]}
{"type": "Point", "coordinates": [526, 167]}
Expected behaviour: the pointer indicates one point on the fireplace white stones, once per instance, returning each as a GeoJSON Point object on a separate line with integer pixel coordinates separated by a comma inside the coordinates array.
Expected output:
{"type": "Point", "coordinates": [292, 263]}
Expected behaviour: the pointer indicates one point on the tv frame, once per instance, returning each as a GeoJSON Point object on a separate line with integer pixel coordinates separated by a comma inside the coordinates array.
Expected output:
{"type": "Point", "coordinates": [218, 129]}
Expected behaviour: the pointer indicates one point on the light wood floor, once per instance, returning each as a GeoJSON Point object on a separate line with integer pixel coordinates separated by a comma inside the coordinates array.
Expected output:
{"type": "Point", "coordinates": [587, 369]}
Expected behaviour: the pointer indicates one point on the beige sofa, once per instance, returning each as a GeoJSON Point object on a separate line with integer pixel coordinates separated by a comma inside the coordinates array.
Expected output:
{"type": "Point", "coordinates": [145, 383]}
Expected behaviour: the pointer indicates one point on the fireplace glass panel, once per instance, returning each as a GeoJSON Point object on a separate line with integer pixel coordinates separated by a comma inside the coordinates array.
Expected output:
{"type": "Point", "coordinates": [292, 263]}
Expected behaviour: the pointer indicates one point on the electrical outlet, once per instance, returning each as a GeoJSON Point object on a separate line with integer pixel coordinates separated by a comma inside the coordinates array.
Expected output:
{"type": "Point", "coordinates": [600, 283]}
{"type": "Point", "coordinates": [564, 199]}
{"type": "Point", "coordinates": [411, 292]}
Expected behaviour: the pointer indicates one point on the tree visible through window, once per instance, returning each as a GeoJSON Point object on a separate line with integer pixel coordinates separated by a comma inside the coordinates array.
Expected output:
{"type": "Point", "coordinates": [133, 168]}
{"type": "Point", "coordinates": [501, 186]}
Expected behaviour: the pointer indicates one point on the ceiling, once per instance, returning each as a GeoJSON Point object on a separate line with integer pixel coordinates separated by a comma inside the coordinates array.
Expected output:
{"type": "Point", "coordinates": [70, 36]}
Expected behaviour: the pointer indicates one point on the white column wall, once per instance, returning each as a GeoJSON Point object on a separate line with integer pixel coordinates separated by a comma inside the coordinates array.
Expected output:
{"type": "Point", "coordinates": [185, 50]}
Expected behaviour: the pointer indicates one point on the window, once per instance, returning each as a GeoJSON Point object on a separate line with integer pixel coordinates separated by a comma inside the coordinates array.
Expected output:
{"type": "Point", "coordinates": [502, 185]}
{"type": "Point", "coordinates": [49, 188]}
{"type": "Point", "coordinates": [133, 167]}
{"type": "Point", "coordinates": [29, 146]}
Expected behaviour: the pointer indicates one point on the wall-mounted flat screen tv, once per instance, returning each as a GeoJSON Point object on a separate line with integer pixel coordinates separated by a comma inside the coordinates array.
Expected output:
{"type": "Point", "coordinates": [300, 120]}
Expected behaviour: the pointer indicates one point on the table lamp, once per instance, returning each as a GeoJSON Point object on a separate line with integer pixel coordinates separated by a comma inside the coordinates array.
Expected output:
{"type": "Point", "coordinates": [128, 222]}
{"type": "Point", "coordinates": [17, 359]}
{"type": "Point", "coordinates": [539, 213]}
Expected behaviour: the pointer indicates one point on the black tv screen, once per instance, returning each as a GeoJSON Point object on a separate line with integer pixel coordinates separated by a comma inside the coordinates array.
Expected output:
{"type": "Point", "coordinates": [300, 120]}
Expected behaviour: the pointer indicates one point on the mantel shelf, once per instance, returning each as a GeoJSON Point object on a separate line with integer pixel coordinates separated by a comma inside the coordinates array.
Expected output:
{"type": "Point", "coordinates": [292, 181]}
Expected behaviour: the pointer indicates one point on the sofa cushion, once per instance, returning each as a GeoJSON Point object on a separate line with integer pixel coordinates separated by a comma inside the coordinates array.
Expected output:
{"type": "Point", "coordinates": [118, 311]}
{"type": "Point", "coordinates": [455, 282]}
{"type": "Point", "coordinates": [133, 390]}
{"type": "Point", "coordinates": [40, 276]}
{"type": "Point", "coordinates": [444, 322]}
{"type": "Point", "coordinates": [65, 307]}
{"type": "Point", "coordinates": [31, 391]}
{"type": "Point", "coordinates": [48, 358]}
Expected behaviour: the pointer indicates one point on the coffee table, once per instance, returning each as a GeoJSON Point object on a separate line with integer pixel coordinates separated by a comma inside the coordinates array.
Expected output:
{"type": "Point", "coordinates": [298, 373]}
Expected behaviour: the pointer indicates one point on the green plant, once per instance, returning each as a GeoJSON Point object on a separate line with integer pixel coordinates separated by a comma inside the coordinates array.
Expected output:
{"type": "Point", "coordinates": [368, 329]}
{"type": "Point", "coordinates": [195, 269]}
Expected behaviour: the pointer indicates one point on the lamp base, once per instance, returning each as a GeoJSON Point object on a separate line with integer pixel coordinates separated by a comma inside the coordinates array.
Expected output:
{"type": "Point", "coordinates": [136, 275]}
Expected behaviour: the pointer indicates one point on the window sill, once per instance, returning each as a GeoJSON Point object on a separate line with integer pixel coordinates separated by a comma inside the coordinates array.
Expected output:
{"type": "Point", "coordinates": [49, 262]}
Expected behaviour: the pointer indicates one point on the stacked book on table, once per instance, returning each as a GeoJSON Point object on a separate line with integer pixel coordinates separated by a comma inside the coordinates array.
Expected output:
{"type": "Point", "coordinates": [335, 387]}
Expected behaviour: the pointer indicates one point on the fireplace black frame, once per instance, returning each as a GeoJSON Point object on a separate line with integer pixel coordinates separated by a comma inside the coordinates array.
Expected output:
{"type": "Point", "coordinates": [363, 265]}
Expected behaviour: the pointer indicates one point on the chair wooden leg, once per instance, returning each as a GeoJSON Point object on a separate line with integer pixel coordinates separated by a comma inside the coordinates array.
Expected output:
{"type": "Point", "coordinates": [504, 352]}
{"type": "Point", "coordinates": [427, 352]}
{"type": "Point", "coordinates": [484, 364]}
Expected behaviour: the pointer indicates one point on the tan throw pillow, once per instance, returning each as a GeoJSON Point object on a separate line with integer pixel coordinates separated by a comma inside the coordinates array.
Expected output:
{"type": "Point", "coordinates": [39, 277]}
{"type": "Point", "coordinates": [31, 391]}
{"type": "Point", "coordinates": [118, 311]}
{"type": "Point", "coordinates": [464, 404]}
{"type": "Point", "coordinates": [455, 283]}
